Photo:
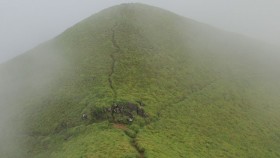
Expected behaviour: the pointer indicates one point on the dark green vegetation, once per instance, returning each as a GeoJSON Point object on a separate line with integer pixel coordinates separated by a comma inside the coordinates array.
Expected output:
{"type": "Point", "coordinates": [150, 83]}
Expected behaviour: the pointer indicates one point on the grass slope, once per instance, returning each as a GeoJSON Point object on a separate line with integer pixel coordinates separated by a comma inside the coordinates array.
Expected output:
{"type": "Point", "coordinates": [207, 93]}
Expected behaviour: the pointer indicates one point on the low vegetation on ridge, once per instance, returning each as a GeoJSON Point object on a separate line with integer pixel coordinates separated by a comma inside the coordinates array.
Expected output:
{"type": "Point", "coordinates": [139, 81]}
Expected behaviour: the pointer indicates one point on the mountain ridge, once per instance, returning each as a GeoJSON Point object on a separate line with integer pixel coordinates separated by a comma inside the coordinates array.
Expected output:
{"type": "Point", "coordinates": [150, 83]}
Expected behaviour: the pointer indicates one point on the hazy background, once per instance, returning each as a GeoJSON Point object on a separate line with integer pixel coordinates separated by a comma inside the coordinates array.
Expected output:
{"type": "Point", "coordinates": [26, 23]}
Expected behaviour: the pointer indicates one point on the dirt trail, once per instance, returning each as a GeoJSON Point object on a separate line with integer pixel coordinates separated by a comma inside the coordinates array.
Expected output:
{"type": "Point", "coordinates": [117, 50]}
{"type": "Point", "coordinates": [111, 84]}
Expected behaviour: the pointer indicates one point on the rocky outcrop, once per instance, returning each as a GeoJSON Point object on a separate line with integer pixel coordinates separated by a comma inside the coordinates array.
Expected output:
{"type": "Point", "coordinates": [121, 112]}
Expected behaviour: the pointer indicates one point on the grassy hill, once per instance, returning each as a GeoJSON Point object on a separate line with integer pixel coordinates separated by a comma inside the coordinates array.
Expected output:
{"type": "Point", "coordinates": [139, 81]}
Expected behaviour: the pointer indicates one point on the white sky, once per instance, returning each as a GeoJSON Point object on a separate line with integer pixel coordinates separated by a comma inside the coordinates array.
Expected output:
{"type": "Point", "coordinates": [26, 23]}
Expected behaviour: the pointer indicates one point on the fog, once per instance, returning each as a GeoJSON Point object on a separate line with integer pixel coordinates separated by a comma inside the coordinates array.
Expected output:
{"type": "Point", "coordinates": [21, 81]}
{"type": "Point", "coordinates": [25, 24]}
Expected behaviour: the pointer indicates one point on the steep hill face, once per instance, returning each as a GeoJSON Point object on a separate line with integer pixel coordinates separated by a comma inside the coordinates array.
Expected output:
{"type": "Point", "coordinates": [139, 81]}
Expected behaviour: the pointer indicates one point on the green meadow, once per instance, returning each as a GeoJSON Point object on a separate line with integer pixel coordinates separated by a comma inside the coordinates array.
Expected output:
{"type": "Point", "coordinates": [203, 92]}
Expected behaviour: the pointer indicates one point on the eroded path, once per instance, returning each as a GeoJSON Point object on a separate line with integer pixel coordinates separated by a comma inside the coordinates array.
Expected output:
{"type": "Point", "coordinates": [113, 65]}
{"type": "Point", "coordinates": [117, 50]}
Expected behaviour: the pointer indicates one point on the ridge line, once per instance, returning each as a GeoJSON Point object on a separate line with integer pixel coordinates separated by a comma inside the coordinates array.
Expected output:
{"type": "Point", "coordinates": [117, 49]}
{"type": "Point", "coordinates": [133, 142]}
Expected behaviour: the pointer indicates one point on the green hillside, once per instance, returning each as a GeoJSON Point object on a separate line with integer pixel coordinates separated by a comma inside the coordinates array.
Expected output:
{"type": "Point", "coordinates": [138, 81]}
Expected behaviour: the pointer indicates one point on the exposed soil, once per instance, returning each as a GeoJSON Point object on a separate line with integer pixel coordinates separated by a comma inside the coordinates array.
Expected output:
{"type": "Point", "coordinates": [120, 126]}
{"type": "Point", "coordinates": [124, 109]}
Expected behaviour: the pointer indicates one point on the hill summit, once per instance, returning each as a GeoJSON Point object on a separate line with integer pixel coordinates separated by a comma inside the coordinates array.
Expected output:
{"type": "Point", "coordinates": [139, 81]}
